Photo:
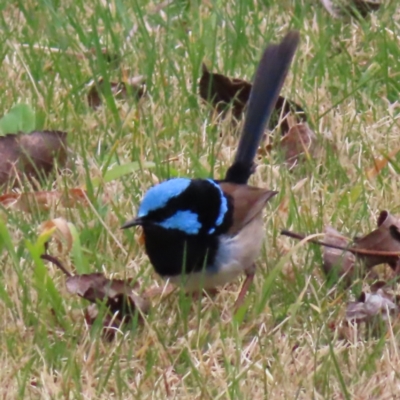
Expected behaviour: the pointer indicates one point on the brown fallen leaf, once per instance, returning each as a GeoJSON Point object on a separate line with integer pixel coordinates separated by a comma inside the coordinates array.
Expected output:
{"type": "Point", "coordinates": [43, 200]}
{"type": "Point", "coordinates": [369, 306]}
{"type": "Point", "coordinates": [381, 246]}
{"type": "Point", "coordinates": [380, 164]}
{"type": "Point", "coordinates": [60, 230]}
{"type": "Point", "coordinates": [297, 143]}
{"type": "Point", "coordinates": [380, 240]}
{"type": "Point", "coordinates": [121, 90]}
{"type": "Point", "coordinates": [220, 91]}
{"type": "Point", "coordinates": [110, 325]}
{"type": "Point", "coordinates": [119, 297]}
{"type": "Point", "coordinates": [337, 262]}
{"type": "Point", "coordinates": [33, 155]}
{"type": "Point", "coordinates": [96, 287]}
{"type": "Point", "coordinates": [354, 8]}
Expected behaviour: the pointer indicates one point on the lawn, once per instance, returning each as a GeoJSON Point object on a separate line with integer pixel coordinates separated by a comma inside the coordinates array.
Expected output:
{"type": "Point", "coordinates": [290, 339]}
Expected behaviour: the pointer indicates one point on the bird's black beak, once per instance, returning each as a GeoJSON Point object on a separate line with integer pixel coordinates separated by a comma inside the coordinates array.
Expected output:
{"type": "Point", "coordinates": [132, 222]}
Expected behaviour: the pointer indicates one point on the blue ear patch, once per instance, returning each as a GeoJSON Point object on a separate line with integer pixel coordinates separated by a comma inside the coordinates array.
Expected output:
{"type": "Point", "coordinates": [223, 208]}
{"type": "Point", "coordinates": [186, 221]}
{"type": "Point", "coordinates": [158, 196]}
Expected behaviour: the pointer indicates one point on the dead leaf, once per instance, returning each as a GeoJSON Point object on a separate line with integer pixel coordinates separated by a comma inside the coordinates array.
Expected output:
{"type": "Point", "coordinates": [297, 143]}
{"type": "Point", "coordinates": [61, 233]}
{"type": "Point", "coordinates": [120, 90]}
{"type": "Point", "coordinates": [380, 240]}
{"type": "Point", "coordinates": [110, 325]}
{"type": "Point", "coordinates": [34, 155]}
{"type": "Point", "coordinates": [119, 296]}
{"type": "Point", "coordinates": [381, 246]}
{"type": "Point", "coordinates": [380, 164]}
{"type": "Point", "coordinates": [337, 262]}
{"type": "Point", "coordinates": [355, 8]}
{"type": "Point", "coordinates": [96, 286]}
{"type": "Point", "coordinates": [220, 91]}
{"type": "Point", "coordinates": [43, 200]}
{"type": "Point", "coordinates": [371, 305]}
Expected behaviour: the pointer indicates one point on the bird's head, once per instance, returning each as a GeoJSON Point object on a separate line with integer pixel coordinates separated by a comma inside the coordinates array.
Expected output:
{"type": "Point", "coordinates": [191, 206]}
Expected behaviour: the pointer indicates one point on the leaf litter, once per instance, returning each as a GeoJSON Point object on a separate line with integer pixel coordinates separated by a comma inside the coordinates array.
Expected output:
{"type": "Point", "coordinates": [353, 8]}
{"type": "Point", "coordinates": [220, 91]}
{"type": "Point", "coordinates": [379, 303]}
{"type": "Point", "coordinates": [298, 139]}
{"type": "Point", "coordinates": [131, 88]}
{"type": "Point", "coordinates": [340, 256]}
{"type": "Point", "coordinates": [33, 155]}
{"type": "Point", "coordinates": [297, 144]}
{"type": "Point", "coordinates": [378, 247]}
{"type": "Point", "coordinates": [43, 200]}
{"type": "Point", "coordinates": [119, 298]}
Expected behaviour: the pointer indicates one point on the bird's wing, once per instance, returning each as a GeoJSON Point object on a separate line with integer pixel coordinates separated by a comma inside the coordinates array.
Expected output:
{"type": "Point", "coordinates": [248, 202]}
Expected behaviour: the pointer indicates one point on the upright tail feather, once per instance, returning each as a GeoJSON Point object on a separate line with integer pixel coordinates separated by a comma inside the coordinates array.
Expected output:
{"type": "Point", "coordinates": [268, 82]}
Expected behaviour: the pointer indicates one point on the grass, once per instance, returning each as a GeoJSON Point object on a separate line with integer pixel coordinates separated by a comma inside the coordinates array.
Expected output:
{"type": "Point", "coordinates": [287, 343]}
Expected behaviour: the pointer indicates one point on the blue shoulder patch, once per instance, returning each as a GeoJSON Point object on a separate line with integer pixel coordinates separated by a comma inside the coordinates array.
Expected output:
{"type": "Point", "coordinates": [185, 221]}
{"type": "Point", "coordinates": [223, 208]}
{"type": "Point", "coordinates": [158, 196]}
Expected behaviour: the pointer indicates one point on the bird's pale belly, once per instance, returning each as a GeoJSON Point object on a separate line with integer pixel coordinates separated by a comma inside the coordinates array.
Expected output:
{"type": "Point", "coordinates": [235, 256]}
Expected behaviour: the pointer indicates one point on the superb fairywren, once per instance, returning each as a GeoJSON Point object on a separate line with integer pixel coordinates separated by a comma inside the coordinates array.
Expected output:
{"type": "Point", "coordinates": [203, 233]}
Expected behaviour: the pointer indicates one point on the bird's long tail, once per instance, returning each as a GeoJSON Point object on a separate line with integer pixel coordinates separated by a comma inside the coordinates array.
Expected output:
{"type": "Point", "coordinates": [268, 81]}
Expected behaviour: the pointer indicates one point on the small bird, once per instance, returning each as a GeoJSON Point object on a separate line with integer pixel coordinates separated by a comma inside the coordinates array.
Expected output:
{"type": "Point", "coordinates": [203, 233]}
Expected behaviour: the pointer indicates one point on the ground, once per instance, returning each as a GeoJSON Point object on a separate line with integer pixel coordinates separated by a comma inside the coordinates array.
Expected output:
{"type": "Point", "coordinates": [287, 342]}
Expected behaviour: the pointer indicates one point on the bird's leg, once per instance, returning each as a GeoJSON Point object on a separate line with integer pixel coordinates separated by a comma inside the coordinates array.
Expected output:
{"type": "Point", "coordinates": [250, 272]}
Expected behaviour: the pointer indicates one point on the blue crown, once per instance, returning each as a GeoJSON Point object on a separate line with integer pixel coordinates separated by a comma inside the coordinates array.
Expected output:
{"type": "Point", "coordinates": [158, 196]}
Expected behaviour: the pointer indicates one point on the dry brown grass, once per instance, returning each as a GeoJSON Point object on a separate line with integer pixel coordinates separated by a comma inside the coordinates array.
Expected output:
{"type": "Point", "coordinates": [290, 341]}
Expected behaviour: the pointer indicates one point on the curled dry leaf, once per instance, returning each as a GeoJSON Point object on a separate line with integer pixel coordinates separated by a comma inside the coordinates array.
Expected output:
{"type": "Point", "coordinates": [355, 8]}
{"type": "Point", "coordinates": [297, 143]}
{"type": "Point", "coordinates": [96, 287]}
{"type": "Point", "coordinates": [62, 233]}
{"type": "Point", "coordinates": [381, 240]}
{"type": "Point", "coordinates": [337, 262]}
{"type": "Point", "coordinates": [133, 88]}
{"type": "Point", "coordinates": [119, 296]}
{"type": "Point", "coordinates": [110, 325]}
{"type": "Point", "coordinates": [30, 202]}
{"type": "Point", "coordinates": [371, 305]}
{"type": "Point", "coordinates": [381, 246]}
{"type": "Point", "coordinates": [34, 154]}
{"type": "Point", "coordinates": [220, 91]}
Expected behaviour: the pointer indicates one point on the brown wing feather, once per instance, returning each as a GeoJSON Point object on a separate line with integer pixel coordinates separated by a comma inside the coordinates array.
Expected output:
{"type": "Point", "coordinates": [248, 202]}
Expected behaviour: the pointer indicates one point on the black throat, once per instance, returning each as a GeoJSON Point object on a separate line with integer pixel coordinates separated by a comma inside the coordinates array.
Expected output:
{"type": "Point", "coordinates": [173, 252]}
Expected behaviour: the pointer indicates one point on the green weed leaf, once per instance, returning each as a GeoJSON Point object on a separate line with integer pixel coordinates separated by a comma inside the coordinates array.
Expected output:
{"type": "Point", "coordinates": [21, 118]}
